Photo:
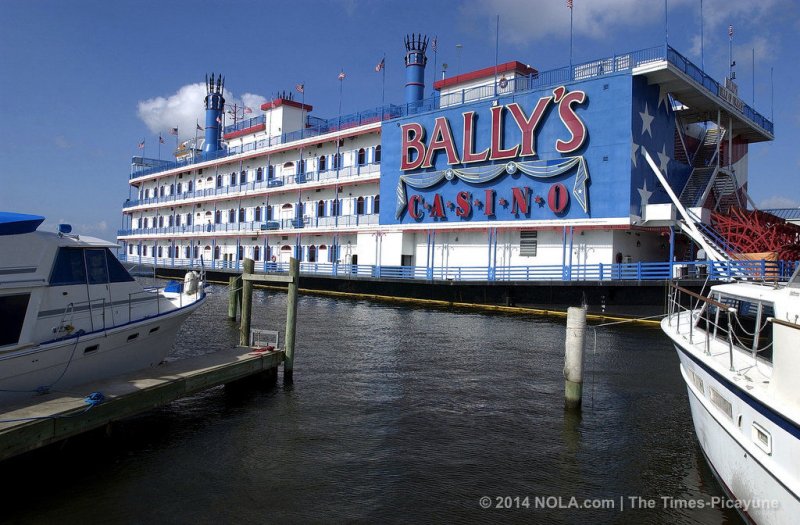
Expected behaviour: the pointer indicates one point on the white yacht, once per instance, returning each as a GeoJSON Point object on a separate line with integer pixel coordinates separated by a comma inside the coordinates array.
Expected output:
{"type": "Point", "coordinates": [72, 314]}
{"type": "Point", "coordinates": [739, 350]}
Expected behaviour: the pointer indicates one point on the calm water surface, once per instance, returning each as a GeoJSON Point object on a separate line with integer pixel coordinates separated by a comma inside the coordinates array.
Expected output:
{"type": "Point", "coordinates": [396, 414]}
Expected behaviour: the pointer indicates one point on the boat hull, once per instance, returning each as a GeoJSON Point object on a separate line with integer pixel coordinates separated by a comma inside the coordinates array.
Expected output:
{"type": "Point", "coordinates": [745, 472]}
{"type": "Point", "coordinates": [62, 365]}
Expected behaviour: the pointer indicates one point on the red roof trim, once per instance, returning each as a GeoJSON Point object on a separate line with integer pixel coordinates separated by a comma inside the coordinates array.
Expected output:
{"type": "Point", "coordinates": [246, 131]}
{"type": "Point", "coordinates": [515, 66]}
{"type": "Point", "coordinates": [285, 102]}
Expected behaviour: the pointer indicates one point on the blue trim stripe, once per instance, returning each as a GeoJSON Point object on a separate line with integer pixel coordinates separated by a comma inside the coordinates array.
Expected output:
{"type": "Point", "coordinates": [779, 419]}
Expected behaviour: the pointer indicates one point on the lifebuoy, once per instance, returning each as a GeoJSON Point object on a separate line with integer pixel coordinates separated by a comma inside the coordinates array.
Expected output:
{"type": "Point", "coordinates": [274, 259]}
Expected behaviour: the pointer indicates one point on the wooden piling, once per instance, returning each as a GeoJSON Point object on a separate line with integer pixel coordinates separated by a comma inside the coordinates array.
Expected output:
{"type": "Point", "coordinates": [573, 357]}
{"type": "Point", "coordinates": [232, 298]}
{"type": "Point", "coordinates": [247, 303]}
{"type": "Point", "coordinates": [291, 320]}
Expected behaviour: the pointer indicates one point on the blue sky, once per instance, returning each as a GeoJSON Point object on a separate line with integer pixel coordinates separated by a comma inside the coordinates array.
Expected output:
{"type": "Point", "coordinates": [84, 81]}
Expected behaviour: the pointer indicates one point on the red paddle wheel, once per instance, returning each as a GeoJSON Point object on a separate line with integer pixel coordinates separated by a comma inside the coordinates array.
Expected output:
{"type": "Point", "coordinates": [757, 232]}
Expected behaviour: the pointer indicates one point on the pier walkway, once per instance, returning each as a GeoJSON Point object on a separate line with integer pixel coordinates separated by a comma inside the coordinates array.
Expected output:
{"type": "Point", "coordinates": [53, 417]}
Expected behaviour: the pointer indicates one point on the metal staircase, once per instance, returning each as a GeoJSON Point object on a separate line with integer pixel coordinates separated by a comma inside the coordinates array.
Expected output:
{"type": "Point", "coordinates": [697, 186]}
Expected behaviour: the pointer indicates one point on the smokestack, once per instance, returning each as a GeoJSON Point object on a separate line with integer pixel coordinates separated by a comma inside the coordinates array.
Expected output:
{"type": "Point", "coordinates": [215, 105]}
{"type": "Point", "coordinates": [416, 45]}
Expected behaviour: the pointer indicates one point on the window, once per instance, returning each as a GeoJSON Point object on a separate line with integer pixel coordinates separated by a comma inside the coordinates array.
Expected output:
{"type": "Point", "coordinates": [256, 253]}
{"type": "Point", "coordinates": [130, 249]}
{"type": "Point", "coordinates": [312, 253]}
{"type": "Point", "coordinates": [160, 221]}
{"type": "Point", "coordinates": [243, 177]}
{"type": "Point", "coordinates": [12, 311]}
{"type": "Point", "coordinates": [528, 240]}
{"type": "Point", "coordinates": [172, 189]}
{"type": "Point", "coordinates": [161, 191]}
{"type": "Point", "coordinates": [241, 214]}
{"type": "Point", "coordinates": [188, 219]}
{"type": "Point", "coordinates": [231, 216]}
{"type": "Point", "coordinates": [259, 175]}
{"type": "Point", "coordinates": [171, 221]}
{"type": "Point", "coordinates": [217, 217]}
{"type": "Point", "coordinates": [321, 209]}
{"type": "Point", "coordinates": [161, 251]}
{"type": "Point", "coordinates": [257, 214]}
{"type": "Point", "coordinates": [196, 252]}
{"type": "Point", "coordinates": [360, 206]}
{"type": "Point", "coordinates": [189, 185]}
{"type": "Point", "coordinates": [322, 162]}
{"type": "Point", "coordinates": [96, 269]}
{"type": "Point", "coordinates": [721, 403]}
{"type": "Point", "coordinates": [362, 157]}
{"type": "Point", "coordinates": [116, 272]}
{"type": "Point", "coordinates": [269, 213]}
{"type": "Point", "coordinates": [147, 222]}
{"type": "Point", "coordinates": [180, 187]}
{"type": "Point", "coordinates": [270, 171]}
{"type": "Point", "coordinates": [334, 207]}
{"type": "Point", "coordinates": [376, 204]}
{"type": "Point", "coordinates": [336, 161]}
{"type": "Point", "coordinates": [241, 252]}
{"type": "Point", "coordinates": [219, 181]}
{"type": "Point", "coordinates": [377, 154]}
{"type": "Point", "coordinates": [216, 252]}
{"type": "Point", "coordinates": [68, 268]}
{"type": "Point", "coordinates": [186, 253]}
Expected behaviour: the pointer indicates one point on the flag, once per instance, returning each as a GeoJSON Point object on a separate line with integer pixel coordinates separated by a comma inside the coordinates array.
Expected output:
{"type": "Point", "coordinates": [199, 127]}
{"type": "Point", "coordinates": [141, 145]}
{"type": "Point", "coordinates": [219, 120]}
{"type": "Point", "coordinates": [569, 4]}
{"type": "Point", "coordinates": [174, 131]}
{"type": "Point", "coordinates": [160, 139]}
{"type": "Point", "coordinates": [341, 76]}
{"type": "Point", "coordinates": [730, 31]}
{"type": "Point", "coordinates": [380, 65]}
{"type": "Point", "coordinates": [247, 110]}
{"type": "Point", "coordinates": [300, 88]}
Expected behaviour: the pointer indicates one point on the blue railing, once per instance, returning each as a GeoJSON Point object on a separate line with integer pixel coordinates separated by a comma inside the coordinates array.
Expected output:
{"type": "Point", "coordinates": [605, 66]}
{"type": "Point", "coordinates": [245, 124]}
{"type": "Point", "coordinates": [639, 271]}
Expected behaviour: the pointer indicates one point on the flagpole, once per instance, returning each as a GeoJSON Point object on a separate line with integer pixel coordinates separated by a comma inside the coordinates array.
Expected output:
{"type": "Point", "coordinates": [383, 87]}
{"type": "Point", "coordinates": [569, 4]}
{"type": "Point", "coordinates": [194, 146]}
{"type": "Point", "coordinates": [754, 78]}
{"type": "Point", "coordinates": [341, 80]}
{"type": "Point", "coordinates": [496, 52]}
{"type": "Point", "coordinates": [666, 25]}
{"type": "Point", "coordinates": [702, 55]}
{"type": "Point", "coordinates": [303, 113]}
{"type": "Point", "coordinates": [435, 56]}
{"type": "Point", "coordinates": [159, 146]}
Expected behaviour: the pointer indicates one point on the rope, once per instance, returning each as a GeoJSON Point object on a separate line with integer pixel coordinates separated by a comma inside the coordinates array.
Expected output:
{"type": "Point", "coordinates": [92, 400]}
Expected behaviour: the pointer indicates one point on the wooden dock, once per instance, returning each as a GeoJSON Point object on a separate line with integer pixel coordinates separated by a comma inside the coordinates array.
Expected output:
{"type": "Point", "coordinates": [54, 417]}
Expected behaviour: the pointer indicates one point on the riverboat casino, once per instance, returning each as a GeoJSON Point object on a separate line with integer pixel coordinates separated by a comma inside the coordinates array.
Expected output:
{"type": "Point", "coordinates": [503, 173]}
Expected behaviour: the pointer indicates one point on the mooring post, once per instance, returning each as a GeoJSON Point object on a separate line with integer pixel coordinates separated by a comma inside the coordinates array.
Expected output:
{"type": "Point", "coordinates": [247, 303]}
{"type": "Point", "coordinates": [232, 298]}
{"type": "Point", "coordinates": [291, 320]}
{"type": "Point", "coordinates": [573, 358]}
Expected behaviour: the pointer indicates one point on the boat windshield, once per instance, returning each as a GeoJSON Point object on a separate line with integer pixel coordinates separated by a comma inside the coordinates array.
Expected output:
{"type": "Point", "coordinates": [751, 330]}
{"type": "Point", "coordinates": [74, 265]}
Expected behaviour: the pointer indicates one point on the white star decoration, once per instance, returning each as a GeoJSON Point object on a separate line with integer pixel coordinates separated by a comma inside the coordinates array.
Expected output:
{"type": "Point", "coordinates": [663, 159]}
{"type": "Point", "coordinates": [634, 150]}
{"type": "Point", "coordinates": [647, 119]}
{"type": "Point", "coordinates": [663, 97]}
{"type": "Point", "coordinates": [644, 195]}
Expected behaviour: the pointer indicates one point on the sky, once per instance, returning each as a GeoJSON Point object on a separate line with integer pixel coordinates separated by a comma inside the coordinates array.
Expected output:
{"type": "Point", "coordinates": [82, 82]}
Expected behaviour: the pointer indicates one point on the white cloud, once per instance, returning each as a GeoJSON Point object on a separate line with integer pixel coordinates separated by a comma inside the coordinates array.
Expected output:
{"type": "Point", "coordinates": [778, 201]}
{"type": "Point", "coordinates": [184, 109]}
{"type": "Point", "coordinates": [62, 142]}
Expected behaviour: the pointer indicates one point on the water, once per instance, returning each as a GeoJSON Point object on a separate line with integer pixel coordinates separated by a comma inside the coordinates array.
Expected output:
{"type": "Point", "coordinates": [396, 414]}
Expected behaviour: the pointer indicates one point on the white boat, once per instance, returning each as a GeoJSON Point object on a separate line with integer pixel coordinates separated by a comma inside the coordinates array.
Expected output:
{"type": "Point", "coordinates": [739, 351]}
{"type": "Point", "coordinates": [72, 314]}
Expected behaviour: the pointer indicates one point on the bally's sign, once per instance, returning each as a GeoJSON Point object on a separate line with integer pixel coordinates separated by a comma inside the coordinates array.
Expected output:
{"type": "Point", "coordinates": [419, 152]}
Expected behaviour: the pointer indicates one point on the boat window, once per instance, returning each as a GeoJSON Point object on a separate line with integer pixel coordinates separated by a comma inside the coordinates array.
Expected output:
{"type": "Point", "coordinates": [96, 266]}
{"type": "Point", "coordinates": [68, 268]}
{"type": "Point", "coordinates": [751, 331]}
{"type": "Point", "coordinates": [116, 272]}
{"type": "Point", "coordinates": [12, 312]}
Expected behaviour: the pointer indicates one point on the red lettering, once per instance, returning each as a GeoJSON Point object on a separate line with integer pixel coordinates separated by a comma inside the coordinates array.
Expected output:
{"type": "Point", "coordinates": [558, 198]}
{"type": "Point", "coordinates": [528, 125]}
{"type": "Point", "coordinates": [488, 209]}
{"type": "Point", "coordinates": [498, 153]}
{"type": "Point", "coordinates": [413, 136]}
{"type": "Point", "coordinates": [573, 123]}
{"type": "Point", "coordinates": [441, 140]}
{"type": "Point", "coordinates": [464, 206]}
{"type": "Point", "coordinates": [520, 200]}
{"type": "Point", "coordinates": [437, 208]}
{"type": "Point", "coordinates": [469, 141]}
{"type": "Point", "coordinates": [413, 207]}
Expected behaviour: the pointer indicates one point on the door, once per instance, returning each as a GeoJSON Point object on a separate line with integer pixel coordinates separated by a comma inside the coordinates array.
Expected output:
{"type": "Point", "coordinates": [98, 289]}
